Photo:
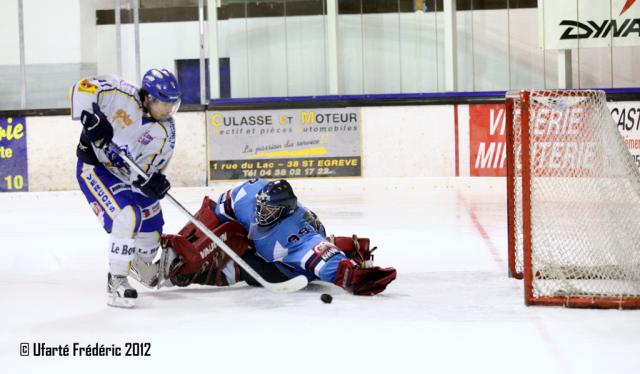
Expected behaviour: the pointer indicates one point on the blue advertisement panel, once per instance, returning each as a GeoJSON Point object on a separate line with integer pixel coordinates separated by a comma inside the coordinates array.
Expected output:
{"type": "Point", "coordinates": [13, 155]}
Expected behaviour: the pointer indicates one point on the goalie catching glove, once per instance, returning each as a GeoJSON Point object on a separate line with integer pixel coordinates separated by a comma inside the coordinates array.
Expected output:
{"type": "Point", "coordinates": [358, 275]}
{"type": "Point", "coordinates": [364, 281]}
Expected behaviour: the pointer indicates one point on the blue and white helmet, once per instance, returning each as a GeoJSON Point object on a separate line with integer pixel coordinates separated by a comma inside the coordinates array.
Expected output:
{"type": "Point", "coordinates": [162, 85]}
{"type": "Point", "coordinates": [274, 202]}
{"type": "Point", "coordinates": [164, 93]}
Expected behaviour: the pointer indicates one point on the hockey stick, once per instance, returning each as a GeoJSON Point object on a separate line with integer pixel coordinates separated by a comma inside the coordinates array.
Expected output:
{"type": "Point", "coordinates": [294, 284]}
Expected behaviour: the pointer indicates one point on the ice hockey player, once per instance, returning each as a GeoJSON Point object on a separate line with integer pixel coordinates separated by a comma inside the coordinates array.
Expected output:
{"type": "Point", "coordinates": [263, 222]}
{"type": "Point", "coordinates": [140, 121]}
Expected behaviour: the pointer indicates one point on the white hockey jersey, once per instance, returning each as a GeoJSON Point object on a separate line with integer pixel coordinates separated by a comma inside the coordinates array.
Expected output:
{"type": "Point", "coordinates": [149, 143]}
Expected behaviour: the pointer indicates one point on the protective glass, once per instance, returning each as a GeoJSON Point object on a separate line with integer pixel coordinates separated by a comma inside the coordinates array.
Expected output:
{"type": "Point", "coordinates": [162, 110]}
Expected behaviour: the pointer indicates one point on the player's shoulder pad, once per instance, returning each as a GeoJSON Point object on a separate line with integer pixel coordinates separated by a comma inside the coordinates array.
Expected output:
{"type": "Point", "coordinates": [248, 188]}
{"type": "Point", "coordinates": [85, 92]}
{"type": "Point", "coordinates": [93, 85]}
{"type": "Point", "coordinates": [127, 87]}
{"type": "Point", "coordinates": [257, 182]}
{"type": "Point", "coordinates": [161, 134]}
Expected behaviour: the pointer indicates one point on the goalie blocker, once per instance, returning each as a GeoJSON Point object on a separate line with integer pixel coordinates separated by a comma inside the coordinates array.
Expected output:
{"type": "Point", "coordinates": [190, 257]}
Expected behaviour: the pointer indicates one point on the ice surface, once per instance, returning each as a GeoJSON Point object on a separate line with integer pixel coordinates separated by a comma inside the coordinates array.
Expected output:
{"type": "Point", "coordinates": [451, 310]}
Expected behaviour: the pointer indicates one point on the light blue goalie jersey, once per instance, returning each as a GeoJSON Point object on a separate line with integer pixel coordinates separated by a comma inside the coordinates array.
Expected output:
{"type": "Point", "coordinates": [294, 241]}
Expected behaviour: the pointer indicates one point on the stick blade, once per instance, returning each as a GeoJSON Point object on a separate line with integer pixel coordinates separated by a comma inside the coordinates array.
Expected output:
{"type": "Point", "coordinates": [292, 285]}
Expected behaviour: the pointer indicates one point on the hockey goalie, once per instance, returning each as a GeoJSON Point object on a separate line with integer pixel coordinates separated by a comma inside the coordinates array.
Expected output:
{"type": "Point", "coordinates": [263, 222]}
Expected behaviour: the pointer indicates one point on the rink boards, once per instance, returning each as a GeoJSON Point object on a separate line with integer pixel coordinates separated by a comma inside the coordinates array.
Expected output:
{"type": "Point", "coordinates": [398, 141]}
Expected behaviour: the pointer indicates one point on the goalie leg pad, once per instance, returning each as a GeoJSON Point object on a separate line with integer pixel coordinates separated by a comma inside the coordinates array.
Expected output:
{"type": "Point", "coordinates": [207, 215]}
{"type": "Point", "coordinates": [200, 260]}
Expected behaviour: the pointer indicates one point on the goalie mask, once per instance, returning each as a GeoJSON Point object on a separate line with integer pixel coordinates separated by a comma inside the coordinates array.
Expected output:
{"type": "Point", "coordinates": [274, 202]}
{"type": "Point", "coordinates": [164, 93]}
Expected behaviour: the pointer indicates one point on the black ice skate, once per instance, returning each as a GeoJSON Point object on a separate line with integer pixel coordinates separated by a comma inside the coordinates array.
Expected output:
{"type": "Point", "coordinates": [119, 292]}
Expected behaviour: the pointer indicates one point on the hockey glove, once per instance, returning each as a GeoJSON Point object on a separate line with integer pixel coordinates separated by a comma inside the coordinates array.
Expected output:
{"type": "Point", "coordinates": [155, 187]}
{"type": "Point", "coordinates": [363, 281]}
{"type": "Point", "coordinates": [356, 249]}
{"type": "Point", "coordinates": [96, 126]}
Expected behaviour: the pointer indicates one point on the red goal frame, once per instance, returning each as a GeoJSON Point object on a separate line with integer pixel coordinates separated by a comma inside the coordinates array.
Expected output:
{"type": "Point", "coordinates": [527, 275]}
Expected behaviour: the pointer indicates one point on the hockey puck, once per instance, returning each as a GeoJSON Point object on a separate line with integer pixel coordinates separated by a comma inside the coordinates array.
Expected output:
{"type": "Point", "coordinates": [326, 298]}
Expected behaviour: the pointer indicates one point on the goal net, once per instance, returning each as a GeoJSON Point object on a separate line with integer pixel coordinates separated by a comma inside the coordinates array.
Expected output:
{"type": "Point", "coordinates": [573, 200]}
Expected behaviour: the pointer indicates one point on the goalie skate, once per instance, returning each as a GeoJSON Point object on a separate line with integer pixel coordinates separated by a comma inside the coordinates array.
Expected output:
{"type": "Point", "coordinates": [119, 292]}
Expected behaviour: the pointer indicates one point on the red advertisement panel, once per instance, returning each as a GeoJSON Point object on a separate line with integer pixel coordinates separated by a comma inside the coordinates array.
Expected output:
{"type": "Point", "coordinates": [487, 140]}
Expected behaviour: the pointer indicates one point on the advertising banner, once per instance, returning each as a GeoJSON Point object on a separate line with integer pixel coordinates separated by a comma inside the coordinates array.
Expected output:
{"type": "Point", "coordinates": [487, 135]}
{"type": "Point", "coordinates": [626, 116]}
{"type": "Point", "coordinates": [292, 143]}
{"type": "Point", "coordinates": [487, 140]}
{"type": "Point", "coordinates": [13, 155]}
{"type": "Point", "coordinates": [571, 24]}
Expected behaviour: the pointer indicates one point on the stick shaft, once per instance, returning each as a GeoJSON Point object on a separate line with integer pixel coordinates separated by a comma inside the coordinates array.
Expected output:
{"type": "Point", "coordinates": [293, 284]}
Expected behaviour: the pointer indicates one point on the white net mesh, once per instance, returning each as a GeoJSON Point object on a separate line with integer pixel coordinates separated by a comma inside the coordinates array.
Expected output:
{"type": "Point", "coordinates": [585, 199]}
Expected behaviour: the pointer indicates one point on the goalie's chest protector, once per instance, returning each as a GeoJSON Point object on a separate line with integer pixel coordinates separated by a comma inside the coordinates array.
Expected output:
{"type": "Point", "coordinates": [291, 235]}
